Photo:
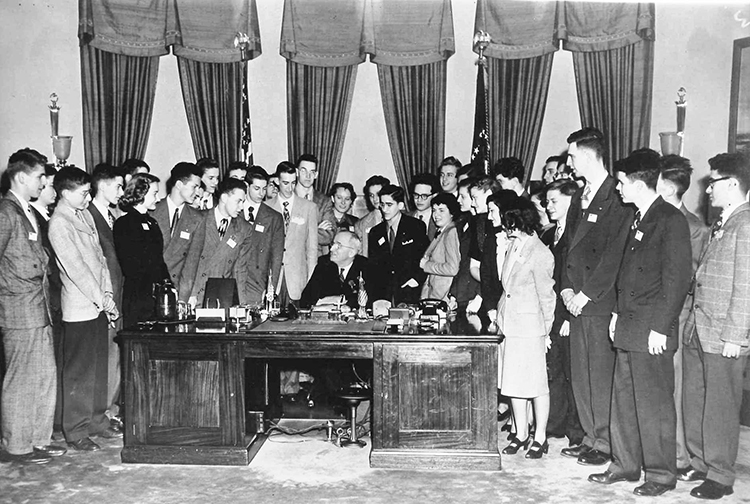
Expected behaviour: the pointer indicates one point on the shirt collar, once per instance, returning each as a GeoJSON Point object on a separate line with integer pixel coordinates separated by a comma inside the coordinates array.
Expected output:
{"type": "Point", "coordinates": [41, 209]}
{"type": "Point", "coordinates": [595, 184]}
{"type": "Point", "coordinates": [218, 217]}
{"type": "Point", "coordinates": [24, 203]}
{"type": "Point", "coordinates": [395, 222]}
{"type": "Point", "coordinates": [648, 207]}
{"type": "Point", "coordinates": [727, 212]}
{"type": "Point", "coordinates": [171, 207]}
{"type": "Point", "coordinates": [103, 209]}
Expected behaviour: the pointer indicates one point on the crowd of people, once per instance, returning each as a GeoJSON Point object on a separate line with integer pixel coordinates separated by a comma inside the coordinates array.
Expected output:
{"type": "Point", "coordinates": [625, 320]}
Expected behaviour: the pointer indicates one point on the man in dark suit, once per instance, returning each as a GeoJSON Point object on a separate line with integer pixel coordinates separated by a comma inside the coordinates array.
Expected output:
{"type": "Point", "coordinates": [674, 181]}
{"type": "Point", "coordinates": [717, 333]}
{"type": "Point", "coordinates": [29, 385]}
{"type": "Point", "coordinates": [424, 187]}
{"type": "Point", "coordinates": [396, 246]}
{"type": "Point", "coordinates": [106, 190]}
{"type": "Point", "coordinates": [652, 283]}
{"type": "Point", "coordinates": [180, 223]}
{"type": "Point", "coordinates": [264, 255]}
{"type": "Point", "coordinates": [598, 226]}
{"type": "Point", "coordinates": [337, 274]}
{"type": "Point", "coordinates": [464, 287]}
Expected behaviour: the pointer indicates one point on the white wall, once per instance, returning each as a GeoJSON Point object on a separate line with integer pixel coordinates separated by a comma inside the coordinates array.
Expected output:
{"type": "Point", "coordinates": [39, 55]}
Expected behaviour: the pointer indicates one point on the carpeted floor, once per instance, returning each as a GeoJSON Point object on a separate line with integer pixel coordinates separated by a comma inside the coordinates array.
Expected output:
{"type": "Point", "coordinates": [293, 469]}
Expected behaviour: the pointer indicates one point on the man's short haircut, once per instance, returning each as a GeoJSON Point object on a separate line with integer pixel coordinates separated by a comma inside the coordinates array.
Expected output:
{"type": "Point", "coordinates": [310, 158]}
{"type": "Point", "coordinates": [450, 161]}
{"type": "Point", "coordinates": [566, 187]}
{"type": "Point", "coordinates": [509, 167]}
{"type": "Point", "coordinates": [471, 170]}
{"type": "Point", "coordinates": [467, 183]}
{"type": "Point", "coordinates": [70, 178]}
{"type": "Point", "coordinates": [131, 166]}
{"type": "Point", "coordinates": [49, 170]}
{"type": "Point", "coordinates": [136, 190]}
{"type": "Point", "coordinates": [205, 163]}
{"type": "Point", "coordinates": [286, 167]}
{"type": "Point", "coordinates": [427, 179]}
{"type": "Point", "coordinates": [103, 172]}
{"type": "Point", "coordinates": [343, 185]}
{"type": "Point", "coordinates": [640, 165]}
{"type": "Point", "coordinates": [678, 171]}
{"type": "Point", "coordinates": [182, 171]}
{"type": "Point", "coordinates": [485, 184]}
{"type": "Point", "coordinates": [228, 185]}
{"type": "Point", "coordinates": [237, 165]}
{"type": "Point", "coordinates": [735, 165]}
{"type": "Point", "coordinates": [554, 159]}
{"type": "Point", "coordinates": [394, 192]}
{"type": "Point", "coordinates": [256, 173]}
{"type": "Point", "coordinates": [450, 201]}
{"type": "Point", "coordinates": [353, 239]}
{"type": "Point", "coordinates": [24, 160]}
{"type": "Point", "coordinates": [374, 180]}
{"type": "Point", "coordinates": [591, 139]}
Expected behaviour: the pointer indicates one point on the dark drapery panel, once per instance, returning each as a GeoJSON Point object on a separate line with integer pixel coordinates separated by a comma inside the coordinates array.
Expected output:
{"type": "Point", "coordinates": [518, 97]}
{"type": "Point", "coordinates": [118, 102]}
{"type": "Point", "coordinates": [615, 94]}
{"type": "Point", "coordinates": [318, 102]}
{"type": "Point", "coordinates": [414, 106]}
{"type": "Point", "coordinates": [212, 93]}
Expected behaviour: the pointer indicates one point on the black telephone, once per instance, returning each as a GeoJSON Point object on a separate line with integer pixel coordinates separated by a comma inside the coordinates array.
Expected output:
{"type": "Point", "coordinates": [431, 306]}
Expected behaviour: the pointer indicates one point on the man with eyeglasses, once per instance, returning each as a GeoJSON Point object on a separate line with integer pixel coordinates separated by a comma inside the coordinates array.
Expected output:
{"type": "Point", "coordinates": [307, 173]}
{"type": "Point", "coordinates": [424, 187]}
{"type": "Point", "coordinates": [717, 334]}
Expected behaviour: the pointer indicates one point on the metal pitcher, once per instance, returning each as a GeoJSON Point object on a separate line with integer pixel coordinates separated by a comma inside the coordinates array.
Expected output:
{"type": "Point", "coordinates": [165, 300]}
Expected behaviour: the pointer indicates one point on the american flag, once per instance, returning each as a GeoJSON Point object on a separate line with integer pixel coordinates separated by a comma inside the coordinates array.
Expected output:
{"type": "Point", "coordinates": [480, 149]}
{"type": "Point", "coordinates": [247, 139]}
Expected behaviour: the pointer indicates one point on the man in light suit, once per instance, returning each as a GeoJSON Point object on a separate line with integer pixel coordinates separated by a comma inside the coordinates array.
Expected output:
{"type": "Point", "coordinates": [717, 333]}
{"type": "Point", "coordinates": [266, 239]}
{"type": "Point", "coordinates": [301, 233]}
{"type": "Point", "coordinates": [30, 382]}
{"type": "Point", "coordinates": [106, 190]}
{"type": "Point", "coordinates": [652, 283]}
{"type": "Point", "coordinates": [396, 247]}
{"type": "Point", "coordinates": [598, 225]}
{"type": "Point", "coordinates": [223, 252]}
{"type": "Point", "coordinates": [307, 173]}
{"type": "Point", "coordinates": [88, 306]}
{"type": "Point", "coordinates": [424, 187]}
{"type": "Point", "coordinates": [674, 181]}
{"type": "Point", "coordinates": [182, 226]}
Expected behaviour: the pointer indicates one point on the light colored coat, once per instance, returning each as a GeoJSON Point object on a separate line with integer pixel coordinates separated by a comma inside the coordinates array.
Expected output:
{"type": "Point", "coordinates": [443, 256]}
{"type": "Point", "coordinates": [83, 268]}
{"type": "Point", "coordinates": [527, 306]}
{"type": "Point", "coordinates": [721, 304]}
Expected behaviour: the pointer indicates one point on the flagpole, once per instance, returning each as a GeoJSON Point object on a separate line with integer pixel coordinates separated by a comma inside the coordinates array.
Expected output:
{"type": "Point", "coordinates": [242, 42]}
{"type": "Point", "coordinates": [481, 41]}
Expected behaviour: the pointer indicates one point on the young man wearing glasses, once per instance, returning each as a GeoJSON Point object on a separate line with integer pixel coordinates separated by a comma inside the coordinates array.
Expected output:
{"type": "Point", "coordinates": [424, 187]}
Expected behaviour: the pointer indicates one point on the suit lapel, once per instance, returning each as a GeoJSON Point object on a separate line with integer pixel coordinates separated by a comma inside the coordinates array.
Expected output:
{"type": "Point", "coordinates": [590, 217]}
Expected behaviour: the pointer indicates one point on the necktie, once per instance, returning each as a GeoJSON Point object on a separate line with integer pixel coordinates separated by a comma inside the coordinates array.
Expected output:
{"type": "Point", "coordinates": [637, 220]}
{"type": "Point", "coordinates": [341, 275]}
{"type": "Point", "coordinates": [716, 228]}
{"type": "Point", "coordinates": [421, 217]}
{"type": "Point", "coordinates": [110, 220]}
{"type": "Point", "coordinates": [32, 219]}
{"type": "Point", "coordinates": [391, 237]}
{"type": "Point", "coordinates": [173, 224]}
{"type": "Point", "coordinates": [223, 227]}
{"type": "Point", "coordinates": [250, 216]}
{"type": "Point", "coordinates": [586, 196]}
{"type": "Point", "coordinates": [287, 216]}
{"type": "Point", "coordinates": [558, 233]}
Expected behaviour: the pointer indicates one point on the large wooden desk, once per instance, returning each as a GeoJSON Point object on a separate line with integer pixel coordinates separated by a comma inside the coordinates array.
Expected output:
{"type": "Point", "coordinates": [434, 396]}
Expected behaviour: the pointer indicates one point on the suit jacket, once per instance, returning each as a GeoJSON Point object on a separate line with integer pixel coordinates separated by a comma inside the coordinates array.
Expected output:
{"type": "Point", "coordinates": [83, 268]}
{"type": "Point", "coordinates": [464, 288]}
{"type": "Point", "coordinates": [55, 284]}
{"type": "Point", "coordinates": [397, 267]}
{"type": "Point", "coordinates": [527, 306]}
{"type": "Point", "coordinates": [698, 234]}
{"type": "Point", "coordinates": [107, 242]}
{"type": "Point", "coordinates": [721, 304]}
{"type": "Point", "coordinates": [363, 227]}
{"type": "Point", "coordinates": [188, 233]}
{"type": "Point", "coordinates": [24, 286]}
{"type": "Point", "coordinates": [300, 245]}
{"type": "Point", "coordinates": [264, 253]}
{"type": "Point", "coordinates": [431, 226]}
{"type": "Point", "coordinates": [217, 257]}
{"type": "Point", "coordinates": [654, 278]}
{"type": "Point", "coordinates": [594, 245]}
{"type": "Point", "coordinates": [490, 285]}
{"type": "Point", "coordinates": [558, 252]}
{"type": "Point", "coordinates": [325, 281]}
{"type": "Point", "coordinates": [443, 257]}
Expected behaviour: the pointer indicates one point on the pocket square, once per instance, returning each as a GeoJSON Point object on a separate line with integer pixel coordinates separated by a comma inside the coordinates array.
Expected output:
{"type": "Point", "coordinates": [407, 242]}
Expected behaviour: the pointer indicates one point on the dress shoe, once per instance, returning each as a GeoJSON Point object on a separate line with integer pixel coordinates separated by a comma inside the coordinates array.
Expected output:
{"type": "Point", "coordinates": [594, 458]}
{"type": "Point", "coordinates": [51, 450]}
{"type": "Point", "coordinates": [608, 477]}
{"type": "Point", "coordinates": [84, 444]}
{"type": "Point", "coordinates": [575, 451]}
{"type": "Point", "coordinates": [711, 490]}
{"type": "Point", "coordinates": [110, 433]}
{"type": "Point", "coordinates": [652, 489]}
{"type": "Point", "coordinates": [515, 445]}
{"type": "Point", "coordinates": [537, 450]}
{"type": "Point", "coordinates": [116, 422]}
{"type": "Point", "coordinates": [690, 474]}
{"type": "Point", "coordinates": [31, 458]}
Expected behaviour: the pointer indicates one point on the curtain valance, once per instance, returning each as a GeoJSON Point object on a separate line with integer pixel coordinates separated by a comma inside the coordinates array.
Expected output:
{"type": "Point", "coordinates": [195, 29]}
{"type": "Point", "coordinates": [523, 29]}
{"type": "Point", "coordinates": [342, 33]}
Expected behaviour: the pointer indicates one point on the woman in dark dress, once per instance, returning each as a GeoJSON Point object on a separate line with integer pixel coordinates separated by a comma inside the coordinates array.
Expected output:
{"type": "Point", "coordinates": [138, 242]}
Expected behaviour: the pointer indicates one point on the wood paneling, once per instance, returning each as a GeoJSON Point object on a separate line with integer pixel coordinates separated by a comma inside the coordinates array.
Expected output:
{"type": "Point", "coordinates": [183, 393]}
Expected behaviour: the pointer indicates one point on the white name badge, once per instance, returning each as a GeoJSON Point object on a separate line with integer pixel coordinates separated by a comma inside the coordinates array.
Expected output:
{"type": "Point", "coordinates": [592, 217]}
{"type": "Point", "coordinates": [32, 236]}
{"type": "Point", "coordinates": [145, 226]}
{"type": "Point", "coordinates": [638, 235]}
{"type": "Point", "coordinates": [231, 243]}
{"type": "Point", "coordinates": [184, 235]}
{"type": "Point", "coordinates": [259, 228]}
{"type": "Point", "coordinates": [381, 241]}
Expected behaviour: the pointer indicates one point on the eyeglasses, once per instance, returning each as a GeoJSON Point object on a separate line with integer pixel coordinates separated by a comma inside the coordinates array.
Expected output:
{"type": "Point", "coordinates": [421, 197]}
{"type": "Point", "coordinates": [712, 181]}
{"type": "Point", "coordinates": [339, 244]}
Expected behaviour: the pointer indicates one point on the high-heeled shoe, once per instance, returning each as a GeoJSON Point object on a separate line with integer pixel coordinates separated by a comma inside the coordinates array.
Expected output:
{"type": "Point", "coordinates": [515, 445]}
{"type": "Point", "coordinates": [537, 449]}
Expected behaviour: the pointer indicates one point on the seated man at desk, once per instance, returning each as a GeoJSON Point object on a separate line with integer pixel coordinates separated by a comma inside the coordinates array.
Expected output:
{"type": "Point", "coordinates": [337, 273]}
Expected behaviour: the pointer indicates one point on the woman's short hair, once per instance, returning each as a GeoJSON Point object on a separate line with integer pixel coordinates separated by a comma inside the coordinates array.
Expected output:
{"type": "Point", "coordinates": [523, 216]}
{"type": "Point", "coordinates": [449, 201]}
{"type": "Point", "coordinates": [136, 190]}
